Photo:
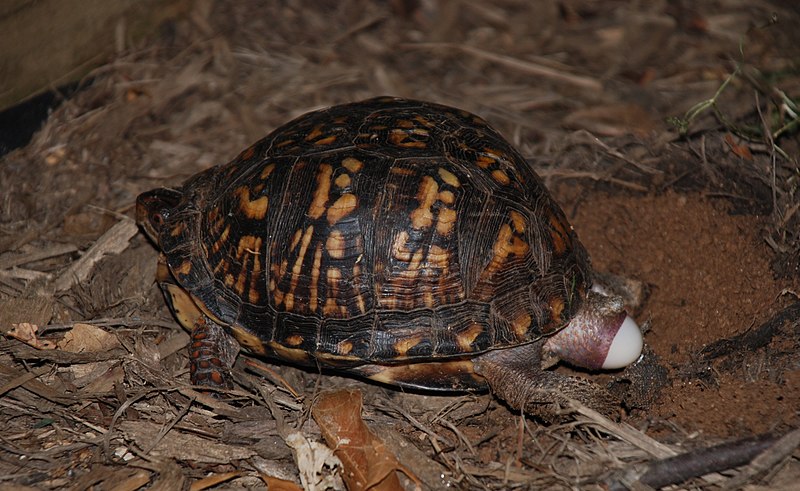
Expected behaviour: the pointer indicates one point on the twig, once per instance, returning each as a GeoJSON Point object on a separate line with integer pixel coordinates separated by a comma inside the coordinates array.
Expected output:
{"type": "Point", "coordinates": [625, 432]}
{"type": "Point", "coordinates": [516, 64]}
{"type": "Point", "coordinates": [52, 251]}
{"type": "Point", "coordinates": [364, 24]}
{"type": "Point", "coordinates": [591, 139]}
{"type": "Point", "coordinates": [574, 174]}
{"type": "Point", "coordinates": [111, 322]}
{"type": "Point", "coordinates": [117, 414]}
{"type": "Point", "coordinates": [165, 430]}
{"type": "Point", "coordinates": [284, 430]}
{"type": "Point", "coordinates": [679, 468]}
{"type": "Point", "coordinates": [25, 274]}
{"type": "Point", "coordinates": [769, 458]}
{"type": "Point", "coordinates": [274, 377]}
{"type": "Point", "coordinates": [458, 433]}
{"type": "Point", "coordinates": [24, 378]}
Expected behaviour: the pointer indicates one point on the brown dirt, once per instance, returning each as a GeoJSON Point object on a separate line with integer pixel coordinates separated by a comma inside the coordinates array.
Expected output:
{"type": "Point", "coordinates": [708, 221]}
{"type": "Point", "coordinates": [710, 279]}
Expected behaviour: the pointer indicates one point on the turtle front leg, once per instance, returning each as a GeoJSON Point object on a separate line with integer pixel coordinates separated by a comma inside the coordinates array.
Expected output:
{"type": "Point", "coordinates": [211, 354]}
{"type": "Point", "coordinates": [515, 375]}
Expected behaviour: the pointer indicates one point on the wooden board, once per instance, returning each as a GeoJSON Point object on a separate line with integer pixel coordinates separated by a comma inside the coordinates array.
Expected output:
{"type": "Point", "coordinates": [48, 43]}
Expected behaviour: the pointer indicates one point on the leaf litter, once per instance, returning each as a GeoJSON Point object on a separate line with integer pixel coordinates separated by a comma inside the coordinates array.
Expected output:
{"type": "Point", "coordinates": [704, 213]}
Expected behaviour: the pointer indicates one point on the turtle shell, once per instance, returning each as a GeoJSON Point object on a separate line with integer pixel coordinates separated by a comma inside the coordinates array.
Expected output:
{"type": "Point", "coordinates": [379, 233]}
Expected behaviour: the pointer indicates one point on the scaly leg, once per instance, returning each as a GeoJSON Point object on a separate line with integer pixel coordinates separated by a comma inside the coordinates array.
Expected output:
{"type": "Point", "coordinates": [211, 354]}
{"type": "Point", "coordinates": [515, 375]}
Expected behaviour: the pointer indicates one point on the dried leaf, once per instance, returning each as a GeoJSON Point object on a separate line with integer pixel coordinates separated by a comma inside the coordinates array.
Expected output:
{"type": "Point", "coordinates": [742, 151]}
{"type": "Point", "coordinates": [213, 480]}
{"type": "Point", "coordinates": [26, 332]}
{"type": "Point", "coordinates": [277, 484]}
{"type": "Point", "coordinates": [86, 338]}
{"type": "Point", "coordinates": [312, 458]}
{"type": "Point", "coordinates": [368, 463]}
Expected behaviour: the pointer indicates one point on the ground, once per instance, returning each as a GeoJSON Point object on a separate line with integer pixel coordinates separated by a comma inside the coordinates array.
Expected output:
{"type": "Point", "coordinates": [702, 210]}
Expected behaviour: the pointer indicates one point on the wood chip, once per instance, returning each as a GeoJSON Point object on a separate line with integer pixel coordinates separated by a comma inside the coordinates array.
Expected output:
{"type": "Point", "coordinates": [37, 310]}
{"type": "Point", "coordinates": [114, 241]}
{"type": "Point", "coordinates": [20, 259]}
{"type": "Point", "coordinates": [183, 446]}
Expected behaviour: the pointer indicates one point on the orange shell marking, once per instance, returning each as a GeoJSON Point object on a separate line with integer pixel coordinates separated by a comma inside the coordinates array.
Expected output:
{"type": "Point", "coordinates": [342, 207]}
{"type": "Point", "coordinates": [315, 269]}
{"type": "Point", "coordinates": [559, 235]}
{"type": "Point", "coordinates": [335, 245]}
{"type": "Point", "coordinates": [521, 324]}
{"type": "Point", "coordinates": [351, 164]}
{"type": "Point", "coordinates": [446, 221]}
{"type": "Point", "coordinates": [321, 192]}
{"type": "Point", "coordinates": [466, 338]}
{"type": "Point", "coordinates": [449, 177]}
{"type": "Point", "coordinates": [267, 171]}
{"type": "Point", "coordinates": [518, 221]}
{"type": "Point", "coordinates": [342, 181]}
{"type": "Point", "coordinates": [501, 177]}
{"type": "Point", "coordinates": [255, 209]}
{"type": "Point", "coordinates": [400, 138]}
{"type": "Point", "coordinates": [422, 217]}
{"type": "Point", "coordinates": [403, 345]}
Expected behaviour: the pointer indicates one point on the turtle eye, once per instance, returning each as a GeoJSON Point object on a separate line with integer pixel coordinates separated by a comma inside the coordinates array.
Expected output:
{"type": "Point", "coordinates": [157, 218]}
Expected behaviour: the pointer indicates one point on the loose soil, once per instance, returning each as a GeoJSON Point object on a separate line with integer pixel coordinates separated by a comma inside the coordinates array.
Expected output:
{"type": "Point", "coordinates": [709, 278]}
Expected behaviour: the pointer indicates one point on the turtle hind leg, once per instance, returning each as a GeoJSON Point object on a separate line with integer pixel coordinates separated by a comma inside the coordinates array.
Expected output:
{"type": "Point", "coordinates": [211, 354]}
{"type": "Point", "coordinates": [515, 375]}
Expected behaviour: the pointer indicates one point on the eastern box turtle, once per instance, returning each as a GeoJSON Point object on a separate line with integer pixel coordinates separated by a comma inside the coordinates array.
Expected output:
{"type": "Point", "coordinates": [399, 240]}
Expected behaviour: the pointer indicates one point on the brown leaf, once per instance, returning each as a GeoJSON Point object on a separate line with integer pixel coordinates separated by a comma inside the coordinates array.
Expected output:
{"type": "Point", "coordinates": [277, 484]}
{"type": "Point", "coordinates": [26, 332]}
{"type": "Point", "coordinates": [212, 480]}
{"type": "Point", "coordinates": [368, 464]}
{"type": "Point", "coordinates": [86, 338]}
{"type": "Point", "coordinates": [742, 151]}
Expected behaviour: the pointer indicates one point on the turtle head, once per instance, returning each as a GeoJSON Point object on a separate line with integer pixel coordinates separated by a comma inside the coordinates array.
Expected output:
{"type": "Point", "coordinates": [153, 209]}
{"type": "Point", "coordinates": [601, 335]}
